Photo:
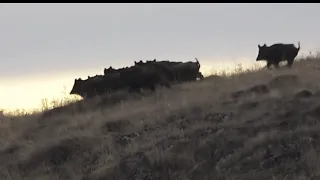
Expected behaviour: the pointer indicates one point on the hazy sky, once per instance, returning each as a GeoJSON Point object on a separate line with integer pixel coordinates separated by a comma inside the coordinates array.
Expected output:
{"type": "Point", "coordinates": [43, 47]}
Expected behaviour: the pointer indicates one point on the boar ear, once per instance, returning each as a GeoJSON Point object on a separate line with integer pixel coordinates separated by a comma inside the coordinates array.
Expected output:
{"type": "Point", "coordinates": [259, 46]}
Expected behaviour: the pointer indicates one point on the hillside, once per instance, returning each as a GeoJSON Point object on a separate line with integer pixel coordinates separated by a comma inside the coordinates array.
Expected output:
{"type": "Point", "coordinates": [254, 125]}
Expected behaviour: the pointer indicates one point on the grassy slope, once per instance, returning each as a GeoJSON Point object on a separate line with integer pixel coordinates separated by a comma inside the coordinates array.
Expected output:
{"type": "Point", "coordinates": [193, 131]}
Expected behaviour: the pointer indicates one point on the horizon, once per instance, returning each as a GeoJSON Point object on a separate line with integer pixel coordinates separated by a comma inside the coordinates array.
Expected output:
{"type": "Point", "coordinates": [45, 46]}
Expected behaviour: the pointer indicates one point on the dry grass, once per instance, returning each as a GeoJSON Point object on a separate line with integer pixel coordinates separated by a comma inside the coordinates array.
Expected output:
{"type": "Point", "coordinates": [254, 124]}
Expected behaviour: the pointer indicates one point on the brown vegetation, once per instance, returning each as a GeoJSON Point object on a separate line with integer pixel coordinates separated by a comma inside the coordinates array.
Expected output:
{"type": "Point", "coordinates": [259, 124]}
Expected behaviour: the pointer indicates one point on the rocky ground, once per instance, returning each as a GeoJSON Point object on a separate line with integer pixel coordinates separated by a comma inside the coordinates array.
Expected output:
{"type": "Point", "coordinates": [254, 125]}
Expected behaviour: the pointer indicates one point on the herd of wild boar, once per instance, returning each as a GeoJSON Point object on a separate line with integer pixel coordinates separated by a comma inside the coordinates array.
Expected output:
{"type": "Point", "coordinates": [152, 73]}
{"type": "Point", "coordinates": [142, 75]}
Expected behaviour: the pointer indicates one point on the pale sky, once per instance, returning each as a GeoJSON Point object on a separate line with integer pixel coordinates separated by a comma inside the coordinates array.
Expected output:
{"type": "Point", "coordinates": [43, 47]}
